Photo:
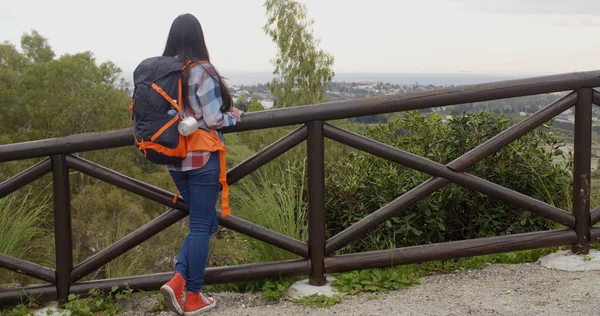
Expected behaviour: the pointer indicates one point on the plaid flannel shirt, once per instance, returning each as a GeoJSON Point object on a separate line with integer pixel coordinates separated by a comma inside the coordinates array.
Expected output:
{"type": "Point", "coordinates": [204, 104]}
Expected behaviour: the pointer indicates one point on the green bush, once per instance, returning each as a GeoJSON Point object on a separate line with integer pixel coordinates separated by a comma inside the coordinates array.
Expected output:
{"type": "Point", "coordinates": [362, 183]}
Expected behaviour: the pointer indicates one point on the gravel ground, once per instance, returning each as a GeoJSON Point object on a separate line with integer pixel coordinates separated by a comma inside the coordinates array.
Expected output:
{"type": "Point", "coordinates": [527, 289]}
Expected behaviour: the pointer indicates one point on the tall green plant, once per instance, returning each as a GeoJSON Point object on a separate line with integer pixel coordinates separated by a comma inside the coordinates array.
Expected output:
{"type": "Point", "coordinates": [23, 219]}
{"type": "Point", "coordinates": [273, 198]}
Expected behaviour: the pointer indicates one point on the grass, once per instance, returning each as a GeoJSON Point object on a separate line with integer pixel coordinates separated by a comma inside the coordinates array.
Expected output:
{"type": "Point", "coordinates": [23, 221]}
{"type": "Point", "coordinates": [272, 198]}
{"type": "Point", "coordinates": [99, 303]}
{"type": "Point", "coordinates": [22, 309]}
{"type": "Point", "coordinates": [275, 290]}
{"type": "Point", "coordinates": [102, 215]}
{"type": "Point", "coordinates": [126, 264]}
{"type": "Point", "coordinates": [401, 277]}
{"type": "Point", "coordinates": [378, 280]}
{"type": "Point", "coordinates": [384, 280]}
{"type": "Point", "coordinates": [319, 301]}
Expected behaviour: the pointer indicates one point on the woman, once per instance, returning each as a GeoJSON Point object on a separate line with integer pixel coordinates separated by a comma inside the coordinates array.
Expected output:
{"type": "Point", "coordinates": [196, 178]}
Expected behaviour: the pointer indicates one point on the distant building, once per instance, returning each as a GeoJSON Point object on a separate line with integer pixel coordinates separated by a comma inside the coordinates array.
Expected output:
{"type": "Point", "coordinates": [266, 104]}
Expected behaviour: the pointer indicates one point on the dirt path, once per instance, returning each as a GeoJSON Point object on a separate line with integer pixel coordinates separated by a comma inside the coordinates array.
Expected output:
{"type": "Point", "coordinates": [527, 289]}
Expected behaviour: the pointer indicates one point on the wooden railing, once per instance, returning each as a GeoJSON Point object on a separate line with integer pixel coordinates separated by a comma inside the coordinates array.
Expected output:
{"type": "Point", "coordinates": [317, 254]}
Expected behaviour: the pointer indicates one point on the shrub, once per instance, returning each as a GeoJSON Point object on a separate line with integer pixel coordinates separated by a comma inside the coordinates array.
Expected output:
{"type": "Point", "coordinates": [362, 183]}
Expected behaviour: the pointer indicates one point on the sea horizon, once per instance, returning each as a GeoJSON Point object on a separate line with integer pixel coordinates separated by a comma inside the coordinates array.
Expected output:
{"type": "Point", "coordinates": [236, 78]}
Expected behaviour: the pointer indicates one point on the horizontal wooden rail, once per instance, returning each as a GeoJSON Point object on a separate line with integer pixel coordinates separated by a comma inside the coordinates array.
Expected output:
{"type": "Point", "coordinates": [450, 250]}
{"type": "Point", "coordinates": [324, 112]}
{"type": "Point", "coordinates": [595, 216]}
{"type": "Point", "coordinates": [227, 274]}
{"type": "Point", "coordinates": [40, 293]}
{"type": "Point", "coordinates": [27, 268]}
{"type": "Point", "coordinates": [463, 179]}
{"type": "Point", "coordinates": [25, 177]}
{"type": "Point", "coordinates": [595, 235]}
{"type": "Point", "coordinates": [462, 163]}
{"type": "Point", "coordinates": [596, 98]}
{"type": "Point", "coordinates": [152, 282]}
{"type": "Point", "coordinates": [67, 145]}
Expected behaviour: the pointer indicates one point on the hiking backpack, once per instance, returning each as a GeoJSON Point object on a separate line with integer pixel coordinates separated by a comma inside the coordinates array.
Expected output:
{"type": "Point", "coordinates": [156, 110]}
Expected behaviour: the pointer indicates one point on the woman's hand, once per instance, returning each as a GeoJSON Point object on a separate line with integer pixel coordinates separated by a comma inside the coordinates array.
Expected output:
{"type": "Point", "coordinates": [235, 112]}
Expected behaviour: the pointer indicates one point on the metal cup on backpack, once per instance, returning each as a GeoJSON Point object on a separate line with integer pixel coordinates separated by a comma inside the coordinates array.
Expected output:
{"type": "Point", "coordinates": [187, 126]}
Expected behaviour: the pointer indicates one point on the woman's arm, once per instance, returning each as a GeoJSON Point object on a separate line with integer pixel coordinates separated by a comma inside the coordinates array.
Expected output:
{"type": "Point", "coordinates": [210, 100]}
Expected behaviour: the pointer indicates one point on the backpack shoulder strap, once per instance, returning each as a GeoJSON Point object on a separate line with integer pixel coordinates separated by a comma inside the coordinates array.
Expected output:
{"type": "Point", "coordinates": [190, 63]}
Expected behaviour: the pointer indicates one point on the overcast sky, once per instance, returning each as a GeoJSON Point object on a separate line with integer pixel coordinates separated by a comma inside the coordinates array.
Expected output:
{"type": "Point", "coordinates": [427, 36]}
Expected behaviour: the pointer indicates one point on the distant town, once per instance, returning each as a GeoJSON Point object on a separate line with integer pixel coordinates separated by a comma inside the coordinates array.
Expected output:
{"type": "Point", "coordinates": [522, 106]}
{"type": "Point", "coordinates": [517, 108]}
{"type": "Point", "coordinates": [338, 91]}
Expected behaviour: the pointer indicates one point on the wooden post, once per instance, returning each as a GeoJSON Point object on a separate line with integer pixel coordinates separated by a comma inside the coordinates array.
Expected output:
{"type": "Point", "coordinates": [62, 227]}
{"type": "Point", "coordinates": [316, 202]}
{"type": "Point", "coordinates": [581, 172]}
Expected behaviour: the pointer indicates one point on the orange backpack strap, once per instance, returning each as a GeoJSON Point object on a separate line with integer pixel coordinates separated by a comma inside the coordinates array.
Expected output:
{"type": "Point", "coordinates": [160, 91]}
{"type": "Point", "coordinates": [131, 111]}
{"type": "Point", "coordinates": [190, 63]}
{"type": "Point", "coordinates": [226, 211]}
{"type": "Point", "coordinates": [224, 185]}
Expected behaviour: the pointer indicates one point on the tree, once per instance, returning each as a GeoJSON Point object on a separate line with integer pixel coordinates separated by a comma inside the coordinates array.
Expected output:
{"type": "Point", "coordinates": [71, 95]}
{"type": "Point", "coordinates": [11, 59]}
{"type": "Point", "coordinates": [44, 97]}
{"type": "Point", "coordinates": [36, 47]}
{"type": "Point", "coordinates": [255, 105]}
{"type": "Point", "coordinates": [242, 104]}
{"type": "Point", "coordinates": [302, 70]}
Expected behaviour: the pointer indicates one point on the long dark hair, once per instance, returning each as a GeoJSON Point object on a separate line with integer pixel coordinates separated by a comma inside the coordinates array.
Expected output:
{"type": "Point", "coordinates": [186, 40]}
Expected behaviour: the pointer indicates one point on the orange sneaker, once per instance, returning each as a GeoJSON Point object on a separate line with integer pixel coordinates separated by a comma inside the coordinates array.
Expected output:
{"type": "Point", "coordinates": [196, 303]}
{"type": "Point", "coordinates": [172, 293]}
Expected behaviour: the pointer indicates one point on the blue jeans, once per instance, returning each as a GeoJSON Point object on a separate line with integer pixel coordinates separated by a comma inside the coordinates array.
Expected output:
{"type": "Point", "coordinates": [200, 190]}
